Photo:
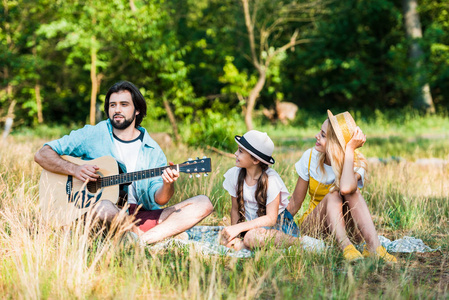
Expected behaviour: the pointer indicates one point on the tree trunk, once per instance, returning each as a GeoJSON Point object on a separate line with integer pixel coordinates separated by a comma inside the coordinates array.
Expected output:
{"type": "Point", "coordinates": [98, 112]}
{"type": "Point", "coordinates": [37, 91]}
{"type": "Point", "coordinates": [10, 116]}
{"type": "Point", "coordinates": [171, 117]}
{"type": "Point", "coordinates": [255, 91]}
{"type": "Point", "coordinates": [422, 98]}
{"type": "Point", "coordinates": [253, 95]}
{"type": "Point", "coordinates": [93, 79]}
{"type": "Point", "coordinates": [132, 5]}
{"type": "Point", "coordinates": [37, 87]}
{"type": "Point", "coordinates": [9, 120]}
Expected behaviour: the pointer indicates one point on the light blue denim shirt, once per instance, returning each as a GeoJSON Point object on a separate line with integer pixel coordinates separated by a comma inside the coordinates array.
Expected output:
{"type": "Point", "coordinates": [91, 142]}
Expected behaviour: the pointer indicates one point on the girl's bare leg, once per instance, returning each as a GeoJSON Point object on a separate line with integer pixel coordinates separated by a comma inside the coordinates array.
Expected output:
{"type": "Point", "coordinates": [261, 237]}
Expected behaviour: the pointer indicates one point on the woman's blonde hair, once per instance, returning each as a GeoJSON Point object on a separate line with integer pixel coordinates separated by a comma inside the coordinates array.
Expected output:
{"type": "Point", "coordinates": [336, 156]}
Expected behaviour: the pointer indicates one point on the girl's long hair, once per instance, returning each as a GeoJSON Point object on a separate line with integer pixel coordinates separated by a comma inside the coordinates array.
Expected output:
{"type": "Point", "coordinates": [337, 156]}
{"type": "Point", "coordinates": [260, 195]}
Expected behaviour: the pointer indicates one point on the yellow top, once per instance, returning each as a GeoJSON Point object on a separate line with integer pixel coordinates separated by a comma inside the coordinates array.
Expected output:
{"type": "Point", "coordinates": [317, 191]}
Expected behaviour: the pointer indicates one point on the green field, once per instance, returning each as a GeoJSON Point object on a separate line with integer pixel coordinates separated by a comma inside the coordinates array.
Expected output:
{"type": "Point", "coordinates": [405, 199]}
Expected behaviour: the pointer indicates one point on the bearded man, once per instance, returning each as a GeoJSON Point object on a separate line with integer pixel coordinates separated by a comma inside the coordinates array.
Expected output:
{"type": "Point", "coordinates": [122, 137]}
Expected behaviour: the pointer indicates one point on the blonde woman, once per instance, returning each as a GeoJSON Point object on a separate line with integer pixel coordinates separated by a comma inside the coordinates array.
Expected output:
{"type": "Point", "coordinates": [332, 172]}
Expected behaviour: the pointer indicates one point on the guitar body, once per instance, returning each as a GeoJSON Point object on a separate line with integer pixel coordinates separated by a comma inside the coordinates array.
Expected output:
{"type": "Point", "coordinates": [64, 198]}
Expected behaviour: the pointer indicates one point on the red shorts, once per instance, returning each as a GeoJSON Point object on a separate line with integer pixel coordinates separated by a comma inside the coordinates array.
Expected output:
{"type": "Point", "coordinates": [146, 219]}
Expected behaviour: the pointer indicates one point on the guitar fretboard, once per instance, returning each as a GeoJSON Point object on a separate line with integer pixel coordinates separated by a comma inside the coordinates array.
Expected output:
{"type": "Point", "coordinates": [132, 176]}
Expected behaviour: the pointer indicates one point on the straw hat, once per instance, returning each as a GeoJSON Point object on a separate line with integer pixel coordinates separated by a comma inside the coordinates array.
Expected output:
{"type": "Point", "coordinates": [343, 125]}
{"type": "Point", "coordinates": [258, 144]}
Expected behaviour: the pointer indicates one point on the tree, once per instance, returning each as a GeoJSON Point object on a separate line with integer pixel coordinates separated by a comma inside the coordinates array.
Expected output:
{"type": "Point", "coordinates": [19, 58]}
{"type": "Point", "coordinates": [433, 16]}
{"type": "Point", "coordinates": [423, 98]}
{"type": "Point", "coordinates": [156, 59]}
{"type": "Point", "coordinates": [272, 27]}
{"type": "Point", "coordinates": [82, 28]}
{"type": "Point", "coordinates": [9, 49]}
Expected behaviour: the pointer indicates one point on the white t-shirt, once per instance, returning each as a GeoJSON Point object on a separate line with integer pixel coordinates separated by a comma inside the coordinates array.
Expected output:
{"type": "Point", "coordinates": [128, 152]}
{"type": "Point", "coordinates": [275, 186]}
{"type": "Point", "coordinates": [302, 167]}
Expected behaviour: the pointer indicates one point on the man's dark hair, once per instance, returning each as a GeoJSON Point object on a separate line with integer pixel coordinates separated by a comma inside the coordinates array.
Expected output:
{"type": "Point", "coordinates": [138, 100]}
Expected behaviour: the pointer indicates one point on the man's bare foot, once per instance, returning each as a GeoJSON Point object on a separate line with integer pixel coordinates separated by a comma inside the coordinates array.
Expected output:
{"type": "Point", "coordinates": [136, 230]}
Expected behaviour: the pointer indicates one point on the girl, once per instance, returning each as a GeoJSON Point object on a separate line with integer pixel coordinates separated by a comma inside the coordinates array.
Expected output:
{"type": "Point", "coordinates": [259, 197]}
{"type": "Point", "coordinates": [332, 172]}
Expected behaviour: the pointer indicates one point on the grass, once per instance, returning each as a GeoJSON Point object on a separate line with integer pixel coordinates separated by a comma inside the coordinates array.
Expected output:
{"type": "Point", "coordinates": [38, 261]}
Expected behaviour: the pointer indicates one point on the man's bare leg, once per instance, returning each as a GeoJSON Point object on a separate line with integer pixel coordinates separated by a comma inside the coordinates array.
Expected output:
{"type": "Point", "coordinates": [107, 213]}
{"type": "Point", "coordinates": [178, 218]}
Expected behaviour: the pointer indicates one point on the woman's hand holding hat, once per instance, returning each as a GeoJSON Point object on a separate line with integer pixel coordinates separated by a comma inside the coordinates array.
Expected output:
{"type": "Point", "coordinates": [358, 140]}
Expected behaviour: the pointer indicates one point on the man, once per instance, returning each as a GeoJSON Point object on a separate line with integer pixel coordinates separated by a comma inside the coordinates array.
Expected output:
{"type": "Point", "coordinates": [121, 137]}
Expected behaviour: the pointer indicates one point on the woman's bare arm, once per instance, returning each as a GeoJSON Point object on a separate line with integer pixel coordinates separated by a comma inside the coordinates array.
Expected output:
{"type": "Point", "coordinates": [299, 194]}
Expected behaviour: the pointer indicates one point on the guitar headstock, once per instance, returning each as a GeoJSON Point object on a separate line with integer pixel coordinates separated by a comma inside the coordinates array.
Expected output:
{"type": "Point", "coordinates": [196, 166]}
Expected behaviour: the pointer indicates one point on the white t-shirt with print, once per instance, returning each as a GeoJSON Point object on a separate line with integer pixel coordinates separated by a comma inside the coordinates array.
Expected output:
{"type": "Point", "coordinates": [302, 167]}
{"type": "Point", "coordinates": [275, 186]}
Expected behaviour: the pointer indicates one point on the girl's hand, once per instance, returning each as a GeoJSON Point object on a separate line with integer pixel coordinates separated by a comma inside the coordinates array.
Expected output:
{"type": "Point", "coordinates": [357, 140]}
{"type": "Point", "coordinates": [228, 234]}
{"type": "Point", "coordinates": [236, 244]}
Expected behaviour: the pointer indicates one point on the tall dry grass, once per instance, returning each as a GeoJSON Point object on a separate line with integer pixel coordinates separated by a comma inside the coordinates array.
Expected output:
{"type": "Point", "coordinates": [39, 261]}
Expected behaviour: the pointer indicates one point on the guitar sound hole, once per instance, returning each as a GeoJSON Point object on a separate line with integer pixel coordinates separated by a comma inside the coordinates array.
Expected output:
{"type": "Point", "coordinates": [92, 187]}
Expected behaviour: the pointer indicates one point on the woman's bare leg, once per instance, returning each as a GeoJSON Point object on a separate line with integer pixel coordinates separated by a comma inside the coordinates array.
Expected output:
{"type": "Point", "coordinates": [328, 218]}
{"type": "Point", "coordinates": [359, 212]}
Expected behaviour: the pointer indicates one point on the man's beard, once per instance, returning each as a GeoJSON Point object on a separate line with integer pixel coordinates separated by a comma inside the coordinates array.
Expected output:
{"type": "Point", "coordinates": [125, 124]}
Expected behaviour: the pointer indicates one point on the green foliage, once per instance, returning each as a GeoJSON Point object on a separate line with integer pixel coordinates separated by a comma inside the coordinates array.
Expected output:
{"type": "Point", "coordinates": [188, 52]}
{"type": "Point", "coordinates": [45, 131]}
{"type": "Point", "coordinates": [237, 82]}
{"type": "Point", "coordinates": [347, 63]}
{"type": "Point", "coordinates": [214, 128]}
{"type": "Point", "coordinates": [434, 17]}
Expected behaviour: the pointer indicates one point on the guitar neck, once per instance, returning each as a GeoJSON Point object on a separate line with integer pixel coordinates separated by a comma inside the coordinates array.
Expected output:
{"type": "Point", "coordinates": [133, 176]}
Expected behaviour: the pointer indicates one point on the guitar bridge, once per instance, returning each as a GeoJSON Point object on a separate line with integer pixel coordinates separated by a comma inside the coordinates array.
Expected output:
{"type": "Point", "coordinates": [69, 185]}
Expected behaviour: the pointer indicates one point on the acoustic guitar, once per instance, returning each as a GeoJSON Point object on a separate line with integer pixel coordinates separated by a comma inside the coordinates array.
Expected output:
{"type": "Point", "coordinates": [64, 198]}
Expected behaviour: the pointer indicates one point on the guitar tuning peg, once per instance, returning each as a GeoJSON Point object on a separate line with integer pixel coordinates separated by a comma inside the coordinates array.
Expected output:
{"type": "Point", "coordinates": [190, 176]}
{"type": "Point", "coordinates": [205, 174]}
{"type": "Point", "coordinates": [198, 175]}
{"type": "Point", "coordinates": [189, 159]}
{"type": "Point", "coordinates": [197, 157]}
{"type": "Point", "coordinates": [204, 156]}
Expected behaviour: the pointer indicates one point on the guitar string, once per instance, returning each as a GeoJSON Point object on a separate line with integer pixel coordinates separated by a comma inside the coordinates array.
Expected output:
{"type": "Point", "coordinates": [133, 176]}
{"type": "Point", "coordinates": [138, 175]}
{"type": "Point", "coordinates": [128, 177]}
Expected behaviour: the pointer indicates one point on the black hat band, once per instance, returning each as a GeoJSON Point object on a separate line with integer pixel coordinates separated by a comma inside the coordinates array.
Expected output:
{"type": "Point", "coordinates": [248, 146]}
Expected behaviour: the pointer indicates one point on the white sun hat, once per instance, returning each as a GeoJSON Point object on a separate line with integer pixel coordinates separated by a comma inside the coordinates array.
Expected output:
{"type": "Point", "coordinates": [258, 144]}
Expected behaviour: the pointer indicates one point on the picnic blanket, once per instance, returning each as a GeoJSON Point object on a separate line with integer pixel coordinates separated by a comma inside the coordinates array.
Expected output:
{"type": "Point", "coordinates": [204, 239]}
